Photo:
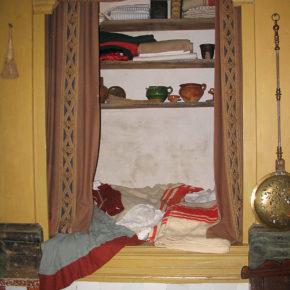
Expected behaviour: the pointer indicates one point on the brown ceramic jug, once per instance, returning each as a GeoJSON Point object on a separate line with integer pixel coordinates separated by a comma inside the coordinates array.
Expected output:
{"type": "Point", "coordinates": [191, 92]}
{"type": "Point", "coordinates": [103, 91]}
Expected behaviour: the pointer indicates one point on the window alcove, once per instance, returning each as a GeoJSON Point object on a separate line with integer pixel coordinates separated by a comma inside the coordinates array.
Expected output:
{"type": "Point", "coordinates": [147, 263]}
{"type": "Point", "coordinates": [190, 267]}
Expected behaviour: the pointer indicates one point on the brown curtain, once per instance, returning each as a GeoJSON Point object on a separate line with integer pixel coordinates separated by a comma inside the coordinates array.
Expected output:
{"type": "Point", "coordinates": [73, 113]}
{"type": "Point", "coordinates": [73, 116]}
{"type": "Point", "coordinates": [228, 123]}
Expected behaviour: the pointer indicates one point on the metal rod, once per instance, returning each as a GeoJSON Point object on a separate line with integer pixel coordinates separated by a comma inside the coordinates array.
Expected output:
{"type": "Point", "coordinates": [280, 163]}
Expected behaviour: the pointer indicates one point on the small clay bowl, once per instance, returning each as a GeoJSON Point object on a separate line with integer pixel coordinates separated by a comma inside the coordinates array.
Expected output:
{"type": "Point", "coordinates": [174, 98]}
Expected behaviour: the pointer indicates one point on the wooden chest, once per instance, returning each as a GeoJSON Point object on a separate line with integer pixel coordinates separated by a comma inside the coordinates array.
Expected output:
{"type": "Point", "coordinates": [267, 244]}
{"type": "Point", "coordinates": [20, 250]}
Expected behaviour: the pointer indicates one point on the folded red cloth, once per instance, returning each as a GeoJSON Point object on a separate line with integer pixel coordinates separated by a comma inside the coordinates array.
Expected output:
{"type": "Point", "coordinates": [130, 46]}
{"type": "Point", "coordinates": [128, 49]}
{"type": "Point", "coordinates": [114, 56]}
{"type": "Point", "coordinates": [108, 199]}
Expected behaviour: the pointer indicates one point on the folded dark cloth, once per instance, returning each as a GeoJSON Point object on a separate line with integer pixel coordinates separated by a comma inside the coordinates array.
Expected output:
{"type": "Point", "coordinates": [114, 36]}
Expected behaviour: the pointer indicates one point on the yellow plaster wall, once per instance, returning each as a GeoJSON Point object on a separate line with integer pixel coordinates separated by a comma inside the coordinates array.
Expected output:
{"type": "Point", "coordinates": [259, 87]}
{"type": "Point", "coordinates": [249, 115]}
{"type": "Point", "coordinates": [23, 195]}
{"type": "Point", "coordinates": [266, 83]}
{"type": "Point", "coordinates": [16, 123]}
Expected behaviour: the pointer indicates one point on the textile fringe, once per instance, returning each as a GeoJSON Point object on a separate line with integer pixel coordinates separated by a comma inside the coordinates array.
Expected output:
{"type": "Point", "coordinates": [10, 70]}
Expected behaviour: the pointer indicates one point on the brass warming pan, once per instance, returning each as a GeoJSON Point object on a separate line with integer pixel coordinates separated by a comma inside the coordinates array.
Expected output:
{"type": "Point", "coordinates": [271, 197]}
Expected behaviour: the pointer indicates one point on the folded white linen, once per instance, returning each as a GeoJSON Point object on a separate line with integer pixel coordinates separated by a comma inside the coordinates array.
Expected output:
{"type": "Point", "coordinates": [141, 219]}
{"type": "Point", "coordinates": [201, 196]}
{"type": "Point", "coordinates": [189, 240]}
{"type": "Point", "coordinates": [187, 4]}
{"type": "Point", "coordinates": [200, 12]}
{"type": "Point", "coordinates": [177, 52]}
{"type": "Point", "coordinates": [128, 12]}
{"type": "Point", "coordinates": [181, 57]}
{"type": "Point", "coordinates": [117, 15]}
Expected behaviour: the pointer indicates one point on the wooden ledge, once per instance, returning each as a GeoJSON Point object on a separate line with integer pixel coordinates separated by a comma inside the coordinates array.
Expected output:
{"type": "Point", "coordinates": [146, 264]}
{"type": "Point", "coordinates": [44, 6]}
{"type": "Point", "coordinates": [241, 2]}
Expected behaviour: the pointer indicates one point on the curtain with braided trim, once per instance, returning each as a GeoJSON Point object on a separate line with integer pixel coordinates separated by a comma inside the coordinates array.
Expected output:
{"type": "Point", "coordinates": [228, 123]}
{"type": "Point", "coordinates": [73, 114]}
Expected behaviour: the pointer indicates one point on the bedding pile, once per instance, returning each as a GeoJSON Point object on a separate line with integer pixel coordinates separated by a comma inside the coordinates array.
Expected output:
{"type": "Point", "coordinates": [174, 216]}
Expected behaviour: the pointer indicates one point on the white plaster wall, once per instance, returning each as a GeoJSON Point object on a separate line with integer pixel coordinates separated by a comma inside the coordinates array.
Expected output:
{"type": "Point", "coordinates": [147, 286]}
{"type": "Point", "coordinates": [142, 147]}
{"type": "Point", "coordinates": [156, 286]}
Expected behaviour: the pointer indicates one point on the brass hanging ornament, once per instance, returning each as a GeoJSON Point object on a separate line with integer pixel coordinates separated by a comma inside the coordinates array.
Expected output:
{"type": "Point", "coordinates": [9, 70]}
{"type": "Point", "coordinates": [271, 197]}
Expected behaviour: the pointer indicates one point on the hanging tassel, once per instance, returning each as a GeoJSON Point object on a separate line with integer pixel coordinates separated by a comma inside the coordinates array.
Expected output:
{"type": "Point", "coordinates": [9, 70]}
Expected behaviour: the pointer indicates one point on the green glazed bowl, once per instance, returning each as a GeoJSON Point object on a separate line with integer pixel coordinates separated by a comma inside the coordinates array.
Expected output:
{"type": "Point", "coordinates": [158, 92]}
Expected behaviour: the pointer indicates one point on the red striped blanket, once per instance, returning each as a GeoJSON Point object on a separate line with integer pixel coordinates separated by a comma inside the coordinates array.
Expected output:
{"type": "Point", "coordinates": [175, 195]}
{"type": "Point", "coordinates": [189, 212]}
{"type": "Point", "coordinates": [170, 197]}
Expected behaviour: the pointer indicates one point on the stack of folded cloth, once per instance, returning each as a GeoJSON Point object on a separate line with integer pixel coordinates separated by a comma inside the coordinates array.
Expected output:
{"type": "Point", "coordinates": [188, 213]}
{"type": "Point", "coordinates": [184, 227]}
{"type": "Point", "coordinates": [176, 49]}
{"type": "Point", "coordinates": [118, 46]}
{"type": "Point", "coordinates": [198, 8]}
{"type": "Point", "coordinates": [129, 12]}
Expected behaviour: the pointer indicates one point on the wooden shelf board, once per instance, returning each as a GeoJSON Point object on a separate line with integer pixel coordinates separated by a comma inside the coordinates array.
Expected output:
{"type": "Point", "coordinates": [196, 63]}
{"type": "Point", "coordinates": [157, 24]}
{"type": "Point", "coordinates": [156, 105]}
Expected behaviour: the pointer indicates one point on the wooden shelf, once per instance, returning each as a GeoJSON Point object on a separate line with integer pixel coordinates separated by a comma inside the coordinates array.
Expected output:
{"type": "Point", "coordinates": [196, 63]}
{"type": "Point", "coordinates": [157, 24]}
{"type": "Point", "coordinates": [156, 105]}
